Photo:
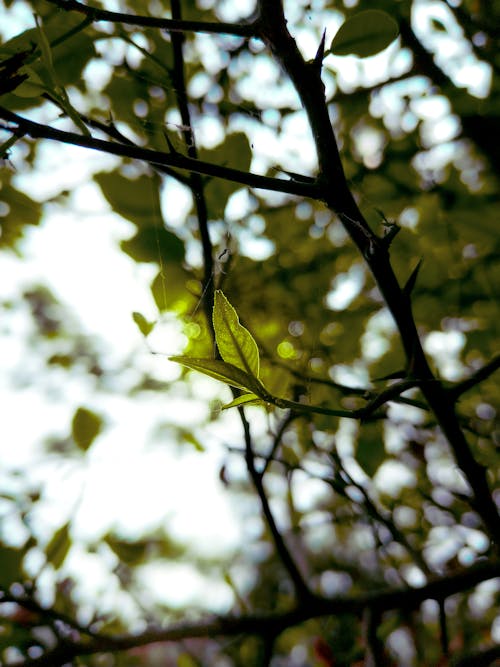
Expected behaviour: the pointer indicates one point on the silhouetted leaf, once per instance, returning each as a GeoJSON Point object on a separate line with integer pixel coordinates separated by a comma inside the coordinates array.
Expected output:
{"type": "Point", "coordinates": [370, 449]}
{"type": "Point", "coordinates": [365, 34]}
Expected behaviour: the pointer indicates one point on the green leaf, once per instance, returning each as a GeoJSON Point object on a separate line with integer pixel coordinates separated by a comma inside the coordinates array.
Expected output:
{"type": "Point", "coordinates": [85, 426]}
{"type": "Point", "coordinates": [169, 286]}
{"type": "Point", "coordinates": [233, 152]}
{"type": "Point", "coordinates": [223, 371]}
{"type": "Point", "coordinates": [47, 60]}
{"type": "Point", "coordinates": [137, 200]}
{"type": "Point", "coordinates": [22, 211]}
{"type": "Point", "coordinates": [365, 34]}
{"type": "Point", "coordinates": [235, 343]}
{"type": "Point", "coordinates": [58, 547]}
{"type": "Point", "coordinates": [186, 660]}
{"type": "Point", "coordinates": [246, 399]}
{"type": "Point", "coordinates": [11, 565]}
{"type": "Point", "coordinates": [154, 244]}
{"type": "Point", "coordinates": [33, 86]}
{"type": "Point", "coordinates": [370, 450]}
{"type": "Point", "coordinates": [144, 326]}
{"type": "Point", "coordinates": [129, 552]}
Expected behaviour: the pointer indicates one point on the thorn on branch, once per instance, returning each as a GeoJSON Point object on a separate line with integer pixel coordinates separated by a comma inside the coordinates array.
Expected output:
{"type": "Point", "coordinates": [391, 229]}
{"type": "Point", "coordinates": [410, 283]}
{"type": "Point", "coordinates": [170, 145]}
{"type": "Point", "coordinates": [320, 54]}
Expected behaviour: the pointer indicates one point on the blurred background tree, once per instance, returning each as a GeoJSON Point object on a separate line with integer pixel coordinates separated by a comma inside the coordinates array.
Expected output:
{"type": "Point", "coordinates": [362, 526]}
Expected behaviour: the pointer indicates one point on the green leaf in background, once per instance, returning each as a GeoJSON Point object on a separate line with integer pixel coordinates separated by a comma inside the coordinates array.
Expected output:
{"type": "Point", "coordinates": [22, 211]}
{"type": "Point", "coordinates": [370, 450]}
{"type": "Point", "coordinates": [66, 59]}
{"type": "Point", "coordinates": [137, 200]}
{"type": "Point", "coordinates": [235, 343]}
{"type": "Point", "coordinates": [169, 286]}
{"type": "Point", "coordinates": [365, 34]}
{"type": "Point", "coordinates": [234, 152]}
{"type": "Point", "coordinates": [58, 547]}
{"type": "Point", "coordinates": [221, 370]}
{"type": "Point", "coordinates": [154, 244]}
{"type": "Point", "coordinates": [85, 427]}
{"type": "Point", "coordinates": [144, 326]}
{"type": "Point", "coordinates": [44, 46]}
{"type": "Point", "coordinates": [33, 86]}
{"type": "Point", "coordinates": [129, 552]}
{"type": "Point", "coordinates": [11, 565]}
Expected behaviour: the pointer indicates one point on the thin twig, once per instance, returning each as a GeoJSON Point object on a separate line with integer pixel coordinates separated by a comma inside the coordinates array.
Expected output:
{"type": "Point", "coordinates": [195, 180]}
{"type": "Point", "coordinates": [481, 374]}
{"type": "Point", "coordinates": [301, 588]}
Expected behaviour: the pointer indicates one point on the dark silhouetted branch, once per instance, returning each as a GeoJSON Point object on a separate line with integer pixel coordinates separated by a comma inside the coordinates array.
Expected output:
{"type": "Point", "coordinates": [241, 29]}
{"type": "Point", "coordinates": [25, 127]}
{"type": "Point", "coordinates": [476, 378]}
{"type": "Point", "coordinates": [273, 624]}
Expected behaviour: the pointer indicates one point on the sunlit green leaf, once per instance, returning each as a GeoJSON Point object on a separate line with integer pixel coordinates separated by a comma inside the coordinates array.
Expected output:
{"type": "Point", "coordinates": [235, 343]}
{"type": "Point", "coordinates": [169, 286]}
{"type": "Point", "coordinates": [365, 34]}
{"type": "Point", "coordinates": [241, 401]}
{"type": "Point", "coordinates": [223, 371]}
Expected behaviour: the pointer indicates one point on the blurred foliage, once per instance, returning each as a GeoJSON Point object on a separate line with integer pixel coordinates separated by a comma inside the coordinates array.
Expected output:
{"type": "Point", "coordinates": [362, 506]}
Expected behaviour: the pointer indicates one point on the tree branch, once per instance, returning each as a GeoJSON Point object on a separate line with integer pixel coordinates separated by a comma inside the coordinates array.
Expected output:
{"type": "Point", "coordinates": [242, 29]}
{"type": "Point", "coordinates": [274, 623]}
{"type": "Point", "coordinates": [301, 588]}
{"type": "Point", "coordinates": [195, 180]}
{"type": "Point", "coordinates": [306, 77]}
{"type": "Point", "coordinates": [25, 127]}
{"type": "Point", "coordinates": [476, 378]}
